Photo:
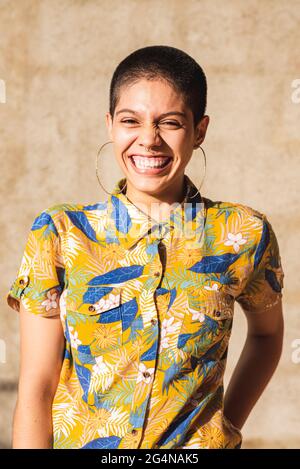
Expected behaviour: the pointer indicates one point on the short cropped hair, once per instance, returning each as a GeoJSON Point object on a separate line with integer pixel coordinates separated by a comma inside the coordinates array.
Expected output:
{"type": "Point", "coordinates": [162, 62]}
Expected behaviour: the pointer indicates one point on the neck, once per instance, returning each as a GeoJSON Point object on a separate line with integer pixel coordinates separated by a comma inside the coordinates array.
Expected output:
{"type": "Point", "coordinates": [157, 206]}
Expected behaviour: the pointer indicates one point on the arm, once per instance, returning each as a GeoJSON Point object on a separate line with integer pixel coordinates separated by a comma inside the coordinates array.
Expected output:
{"type": "Point", "coordinates": [41, 355]}
{"type": "Point", "coordinates": [257, 363]}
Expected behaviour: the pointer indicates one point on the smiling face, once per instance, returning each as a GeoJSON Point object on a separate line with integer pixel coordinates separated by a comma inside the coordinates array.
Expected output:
{"type": "Point", "coordinates": [152, 126]}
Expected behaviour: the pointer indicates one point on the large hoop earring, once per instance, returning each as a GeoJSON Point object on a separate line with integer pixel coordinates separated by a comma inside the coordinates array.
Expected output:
{"type": "Point", "coordinates": [119, 192]}
{"type": "Point", "coordinates": [98, 153]}
{"type": "Point", "coordinates": [198, 190]}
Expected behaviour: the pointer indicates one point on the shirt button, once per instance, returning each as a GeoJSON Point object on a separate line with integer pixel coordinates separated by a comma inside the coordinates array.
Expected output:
{"type": "Point", "coordinates": [91, 308]}
{"type": "Point", "coordinates": [153, 321]}
{"type": "Point", "coordinates": [146, 374]}
{"type": "Point", "coordinates": [156, 274]}
{"type": "Point", "coordinates": [23, 280]}
{"type": "Point", "coordinates": [134, 431]}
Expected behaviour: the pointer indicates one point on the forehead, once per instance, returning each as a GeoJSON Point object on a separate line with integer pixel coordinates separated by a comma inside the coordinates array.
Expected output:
{"type": "Point", "coordinates": [144, 95]}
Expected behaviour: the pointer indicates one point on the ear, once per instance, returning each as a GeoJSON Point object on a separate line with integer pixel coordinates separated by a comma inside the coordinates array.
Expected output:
{"type": "Point", "coordinates": [200, 131]}
{"type": "Point", "coordinates": [109, 125]}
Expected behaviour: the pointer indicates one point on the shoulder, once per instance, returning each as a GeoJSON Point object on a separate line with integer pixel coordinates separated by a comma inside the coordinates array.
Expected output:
{"type": "Point", "coordinates": [217, 207]}
{"type": "Point", "coordinates": [59, 215]}
{"type": "Point", "coordinates": [235, 217]}
{"type": "Point", "coordinates": [59, 210]}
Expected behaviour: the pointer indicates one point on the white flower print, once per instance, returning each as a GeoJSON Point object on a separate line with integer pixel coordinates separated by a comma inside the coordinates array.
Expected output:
{"type": "Point", "coordinates": [52, 301]}
{"type": "Point", "coordinates": [168, 326]}
{"type": "Point", "coordinates": [62, 305]}
{"type": "Point", "coordinates": [235, 240]}
{"type": "Point", "coordinates": [145, 374]}
{"type": "Point", "coordinates": [100, 366]}
{"type": "Point", "coordinates": [192, 446]}
{"type": "Point", "coordinates": [164, 343]}
{"type": "Point", "coordinates": [74, 338]}
{"type": "Point", "coordinates": [111, 302]}
{"type": "Point", "coordinates": [197, 315]}
{"type": "Point", "coordinates": [214, 287]}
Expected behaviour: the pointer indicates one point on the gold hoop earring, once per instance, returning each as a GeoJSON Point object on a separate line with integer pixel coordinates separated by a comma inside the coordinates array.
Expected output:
{"type": "Point", "coordinates": [198, 190]}
{"type": "Point", "coordinates": [97, 156]}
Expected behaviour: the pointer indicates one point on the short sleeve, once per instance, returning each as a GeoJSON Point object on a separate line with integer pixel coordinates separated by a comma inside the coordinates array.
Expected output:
{"type": "Point", "coordinates": [263, 288]}
{"type": "Point", "coordinates": [41, 276]}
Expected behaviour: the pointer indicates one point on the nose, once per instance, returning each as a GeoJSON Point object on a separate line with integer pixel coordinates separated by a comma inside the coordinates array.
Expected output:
{"type": "Point", "coordinates": [149, 136]}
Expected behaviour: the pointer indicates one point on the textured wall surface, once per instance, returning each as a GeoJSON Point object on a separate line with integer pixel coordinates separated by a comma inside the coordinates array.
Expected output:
{"type": "Point", "coordinates": [56, 61]}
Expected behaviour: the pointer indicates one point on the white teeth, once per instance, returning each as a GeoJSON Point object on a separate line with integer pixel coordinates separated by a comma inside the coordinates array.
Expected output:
{"type": "Point", "coordinates": [143, 162]}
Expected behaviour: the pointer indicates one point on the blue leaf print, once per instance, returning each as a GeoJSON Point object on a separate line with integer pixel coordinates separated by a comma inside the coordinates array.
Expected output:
{"type": "Point", "coordinates": [151, 249]}
{"type": "Point", "coordinates": [210, 325]}
{"type": "Point", "coordinates": [263, 243]}
{"type": "Point", "coordinates": [94, 294]}
{"type": "Point", "coordinates": [136, 325]}
{"type": "Point", "coordinates": [206, 368]}
{"type": "Point", "coordinates": [129, 311]}
{"type": "Point", "coordinates": [182, 339]}
{"type": "Point", "coordinates": [112, 315]}
{"type": "Point", "coordinates": [215, 264]}
{"type": "Point", "coordinates": [137, 416]}
{"type": "Point", "coordinates": [67, 334]}
{"type": "Point", "coordinates": [206, 356]}
{"type": "Point", "coordinates": [84, 376]}
{"type": "Point", "coordinates": [120, 215]}
{"type": "Point", "coordinates": [109, 442]}
{"type": "Point", "coordinates": [272, 280]}
{"type": "Point", "coordinates": [97, 206]}
{"type": "Point", "coordinates": [161, 291]}
{"type": "Point", "coordinates": [84, 349]}
{"type": "Point", "coordinates": [44, 219]}
{"type": "Point", "coordinates": [172, 297]}
{"type": "Point", "coordinates": [190, 211]}
{"type": "Point", "coordinates": [180, 425]}
{"type": "Point", "coordinates": [170, 375]}
{"type": "Point", "coordinates": [67, 355]}
{"type": "Point", "coordinates": [85, 359]}
{"type": "Point", "coordinates": [119, 275]}
{"type": "Point", "coordinates": [79, 219]}
{"type": "Point", "coordinates": [150, 354]}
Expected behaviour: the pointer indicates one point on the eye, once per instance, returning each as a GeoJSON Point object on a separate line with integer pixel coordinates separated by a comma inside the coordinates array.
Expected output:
{"type": "Point", "coordinates": [128, 120]}
{"type": "Point", "coordinates": [173, 123]}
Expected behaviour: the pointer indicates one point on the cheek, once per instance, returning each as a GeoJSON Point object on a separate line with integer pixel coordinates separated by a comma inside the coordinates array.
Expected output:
{"type": "Point", "coordinates": [182, 147]}
{"type": "Point", "coordinates": [123, 135]}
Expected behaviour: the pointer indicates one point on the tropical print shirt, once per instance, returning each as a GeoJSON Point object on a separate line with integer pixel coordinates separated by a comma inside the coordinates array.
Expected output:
{"type": "Point", "coordinates": [147, 310]}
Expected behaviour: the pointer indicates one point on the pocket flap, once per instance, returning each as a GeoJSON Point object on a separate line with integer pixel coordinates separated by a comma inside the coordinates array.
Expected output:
{"type": "Point", "coordinates": [94, 300]}
{"type": "Point", "coordinates": [217, 304]}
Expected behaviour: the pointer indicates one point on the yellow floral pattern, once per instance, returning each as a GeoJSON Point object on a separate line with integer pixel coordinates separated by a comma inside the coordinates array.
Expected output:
{"type": "Point", "coordinates": [147, 309]}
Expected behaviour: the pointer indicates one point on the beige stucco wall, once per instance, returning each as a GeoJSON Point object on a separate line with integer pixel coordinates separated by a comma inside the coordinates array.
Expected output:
{"type": "Point", "coordinates": [57, 58]}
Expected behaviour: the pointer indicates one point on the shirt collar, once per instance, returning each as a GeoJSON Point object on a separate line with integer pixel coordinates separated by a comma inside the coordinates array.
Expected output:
{"type": "Point", "coordinates": [127, 224]}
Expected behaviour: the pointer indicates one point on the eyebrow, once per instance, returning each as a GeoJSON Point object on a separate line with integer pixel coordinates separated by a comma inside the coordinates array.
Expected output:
{"type": "Point", "coordinates": [177, 113]}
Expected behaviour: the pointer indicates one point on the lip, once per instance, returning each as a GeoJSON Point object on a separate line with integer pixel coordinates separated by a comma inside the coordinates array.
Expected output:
{"type": "Point", "coordinates": [150, 171]}
{"type": "Point", "coordinates": [160, 155]}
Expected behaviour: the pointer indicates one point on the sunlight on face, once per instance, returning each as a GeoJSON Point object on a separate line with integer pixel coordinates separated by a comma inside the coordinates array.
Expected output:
{"type": "Point", "coordinates": [140, 122]}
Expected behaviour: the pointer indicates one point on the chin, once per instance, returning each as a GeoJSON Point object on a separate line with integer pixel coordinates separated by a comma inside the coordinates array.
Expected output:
{"type": "Point", "coordinates": [149, 185]}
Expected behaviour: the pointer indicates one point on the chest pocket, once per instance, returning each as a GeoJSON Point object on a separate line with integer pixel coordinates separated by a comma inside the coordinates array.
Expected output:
{"type": "Point", "coordinates": [95, 320]}
{"type": "Point", "coordinates": [208, 318]}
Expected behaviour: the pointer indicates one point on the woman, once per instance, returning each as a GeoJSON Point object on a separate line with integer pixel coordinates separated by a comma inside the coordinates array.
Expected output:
{"type": "Point", "coordinates": [140, 289]}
